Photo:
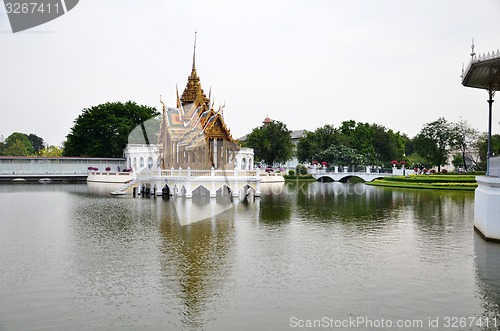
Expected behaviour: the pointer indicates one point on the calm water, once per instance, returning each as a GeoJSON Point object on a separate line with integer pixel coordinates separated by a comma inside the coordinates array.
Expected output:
{"type": "Point", "coordinates": [73, 257]}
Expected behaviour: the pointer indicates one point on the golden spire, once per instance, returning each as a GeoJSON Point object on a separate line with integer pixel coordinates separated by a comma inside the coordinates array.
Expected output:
{"type": "Point", "coordinates": [193, 85]}
{"type": "Point", "coordinates": [194, 52]}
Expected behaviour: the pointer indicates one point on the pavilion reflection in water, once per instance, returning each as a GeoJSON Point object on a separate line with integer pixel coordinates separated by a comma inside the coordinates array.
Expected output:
{"type": "Point", "coordinates": [487, 259]}
{"type": "Point", "coordinates": [197, 254]}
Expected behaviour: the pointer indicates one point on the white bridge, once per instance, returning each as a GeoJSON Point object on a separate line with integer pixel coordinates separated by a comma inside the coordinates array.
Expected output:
{"type": "Point", "coordinates": [367, 176]}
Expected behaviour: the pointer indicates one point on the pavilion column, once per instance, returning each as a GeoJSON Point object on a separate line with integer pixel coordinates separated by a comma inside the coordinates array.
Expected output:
{"type": "Point", "coordinates": [491, 94]}
{"type": "Point", "coordinates": [179, 156]}
{"type": "Point", "coordinates": [196, 152]}
{"type": "Point", "coordinates": [169, 155]}
{"type": "Point", "coordinates": [176, 155]}
{"type": "Point", "coordinates": [224, 152]}
{"type": "Point", "coordinates": [184, 157]}
{"type": "Point", "coordinates": [219, 153]}
{"type": "Point", "coordinates": [205, 165]}
{"type": "Point", "coordinates": [211, 160]}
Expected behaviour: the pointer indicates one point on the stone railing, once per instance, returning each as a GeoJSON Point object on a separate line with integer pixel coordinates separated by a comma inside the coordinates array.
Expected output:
{"type": "Point", "coordinates": [494, 166]}
{"type": "Point", "coordinates": [357, 170]}
{"type": "Point", "coordinates": [198, 173]}
{"type": "Point", "coordinates": [109, 173]}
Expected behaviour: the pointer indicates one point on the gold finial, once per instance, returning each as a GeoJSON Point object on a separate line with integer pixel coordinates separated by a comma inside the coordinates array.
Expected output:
{"type": "Point", "coordinates": [194, 51]}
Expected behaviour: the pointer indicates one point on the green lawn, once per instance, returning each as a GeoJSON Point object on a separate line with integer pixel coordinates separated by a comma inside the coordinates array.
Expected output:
{"type": "Point", "coordinates": [436, 182]}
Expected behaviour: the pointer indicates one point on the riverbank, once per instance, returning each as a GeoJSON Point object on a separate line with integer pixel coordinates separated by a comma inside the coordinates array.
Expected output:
{"type": "Point", "coordinates": [43, 178]}
{"type": "Point", "coordinates": [434, 182]}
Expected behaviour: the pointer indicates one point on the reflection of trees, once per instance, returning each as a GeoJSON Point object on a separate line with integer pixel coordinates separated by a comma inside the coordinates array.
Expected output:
{"type": "Point", "coordinates": [324, 202]}
{"type": "Point", "coordinates": [439, 211]}
{"type": "Point", "coordinates": [124, 248]}
{"type": "Point", "coordinates": [194, 260]}
{"type": "Point", "coordinates": [277, 208]}
{"type": "Point", "coordinates": [112, 244]}
{"type": "Point", "coordinates": [487, 260]}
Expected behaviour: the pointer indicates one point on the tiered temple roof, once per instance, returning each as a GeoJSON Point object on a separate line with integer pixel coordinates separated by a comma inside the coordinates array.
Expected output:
{"type": "Point", "coordinates": [194, 123]}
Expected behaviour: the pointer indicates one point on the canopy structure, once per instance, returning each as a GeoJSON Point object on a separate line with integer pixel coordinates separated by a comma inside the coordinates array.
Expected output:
{"type": "Point", "coordinates": [483, 72]}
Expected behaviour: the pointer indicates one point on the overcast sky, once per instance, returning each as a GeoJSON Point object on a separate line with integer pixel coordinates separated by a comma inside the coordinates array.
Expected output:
{"type": "Point", "coordinates": [306, 63]}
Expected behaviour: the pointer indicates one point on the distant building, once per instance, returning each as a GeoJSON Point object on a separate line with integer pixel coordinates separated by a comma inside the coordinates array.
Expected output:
{"type": "Point", "coordinates": [295, 136]}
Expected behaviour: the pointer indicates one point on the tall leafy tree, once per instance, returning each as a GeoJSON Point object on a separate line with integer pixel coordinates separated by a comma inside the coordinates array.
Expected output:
{"type": "Point", "coordinates": [313, 143]}
{"type": "Point", "coordinates": [433, 142]}
{"type": "Point", "coordinates": [387, 144]}
{"type": "Point", "coordinates": [102, 131]}
{"type": "Point", "coordinates": [271, 142]}
{"type": "Point", "coordinates": [37, 142]}
{"type": "Point", "coordinates": [464, 137]}
{"type": "Point", "coordinates": [362, 141]}
{"type": "Point", "coordinates": [376, 143]}
{"type": "Point", "coordinates": [409, 146]}
{"type": "Point", "coordinates": [343, 155]}
{"type": "Point", "coordinates": [51, 151]}
{"type": "Point", "coordinates": [18, 144]}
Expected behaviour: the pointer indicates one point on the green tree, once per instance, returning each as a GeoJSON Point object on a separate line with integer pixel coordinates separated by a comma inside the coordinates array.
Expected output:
{"type": "Point", "coordinates": [376, 143]}
{"type": "Point", "coordinates": [271, 143]}
{"type": "Point", "coordinates": [464, 137]}
{"type": "Point", "coordinates": [433, 142]}
{"type": "Point", "coordinates": [362, 141]}
{"type": "Point", "coordinates": [417, 161]}
{"type": "Point", "coordinates": [387, 144]}
{"type": "Point", "coordinates": [51, 151]}
{"type": "Point", "coordinates": [347, 127]}
{"type": "Point", "coordinates": [409, 146]}
{"type": "Point", "coordinates": [18, 144]}
{"type": "Point", "coordinates": [343, 155]}
{"type": "Point", "coordinates": [37, 142]}
{"type": "Point", "coordinates": [102, 131]}
{"type": "Point", "coordinates": [313, 143]}
{"type": "Point", "coordinates": [2, 144]}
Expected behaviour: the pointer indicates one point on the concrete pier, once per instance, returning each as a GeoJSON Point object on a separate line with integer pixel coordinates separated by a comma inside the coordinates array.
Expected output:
{"type": "Point", "coordinates": [487, 208]}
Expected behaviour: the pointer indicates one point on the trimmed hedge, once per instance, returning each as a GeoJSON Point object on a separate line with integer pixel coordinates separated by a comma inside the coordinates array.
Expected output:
{"type": "Point", "coordinates": [433, 179]}
{"type": "Point", "coordinates": [299, 177]}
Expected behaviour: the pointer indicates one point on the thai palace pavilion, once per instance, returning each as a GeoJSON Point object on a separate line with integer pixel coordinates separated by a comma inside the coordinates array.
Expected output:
{"type": "Point", "coordinates": [193, 135]}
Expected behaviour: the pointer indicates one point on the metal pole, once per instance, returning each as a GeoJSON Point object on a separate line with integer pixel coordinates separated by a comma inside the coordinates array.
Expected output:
{"type": "Point", "coordinates": [488, 156]}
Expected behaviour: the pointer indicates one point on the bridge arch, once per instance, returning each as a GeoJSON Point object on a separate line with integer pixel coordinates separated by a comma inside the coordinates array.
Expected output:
{"type": "Point", "coordinates": [344, 176]}
{"type": "Point", "coordinates": [345, 179]}
{"type": "Point", "coordinates": [201, 190]}
{"type": "Point", "coordinates": [325, 179]}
